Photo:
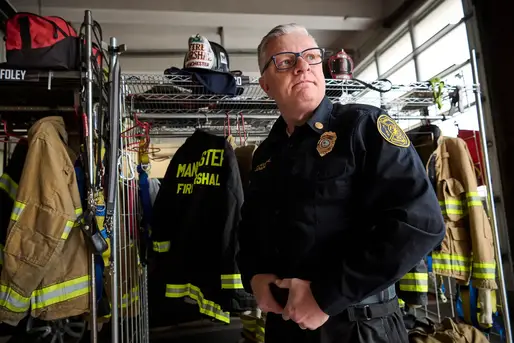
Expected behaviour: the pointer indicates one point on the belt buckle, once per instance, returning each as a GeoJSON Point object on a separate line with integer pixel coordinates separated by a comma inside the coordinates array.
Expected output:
{"type": "Point", "coordinates": [367, 312]}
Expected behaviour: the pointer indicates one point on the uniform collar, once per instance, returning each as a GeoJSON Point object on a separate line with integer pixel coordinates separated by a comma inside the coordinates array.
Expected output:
{"type": "Point", "coordinates": [318, 122]}
{"type": "Point", "coordinates": [320, 118]}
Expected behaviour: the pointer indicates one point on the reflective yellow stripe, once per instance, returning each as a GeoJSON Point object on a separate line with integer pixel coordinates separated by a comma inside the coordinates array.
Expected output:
{"type": "Point", "coordinates": [17, 210]}
{"type": "Point", "coordinates": [13, 301]}
{"type": "Point", "coordinates": [9, 186]}
{"type": "Point", "coordinates": [231, 281]}
{"type": "Point", "coordinates": [448, 262]}
{"type": "Point", "coordinates": [67, 229]}
{"type": "Point", "coordinates": [458, 206]}
{"type": "Point", "coordinates": [414, 282]}
{"type": "Point", "coordinates": [451, 207]}
{"type": "Point", "coordinates": [128, 299]}
{"type": "Point", "coordinates": [161, 246]}
{"type": "Point", "coordinates": [60, 292]}
{"type": "Point", "coordinates": [261, 325]}
{"type": "Point", "coordinates": [206, 307]}
{"type": "Point", "coordinates": [484, 270]}
{"type": "Point", "coordinates": [401, 303]}
{"type": "Point", "coordinates": [473, 199]}
{"type": "Point", "coordinates": [70, 224]}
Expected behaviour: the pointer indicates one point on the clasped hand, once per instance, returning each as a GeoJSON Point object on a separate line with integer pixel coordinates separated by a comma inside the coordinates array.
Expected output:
{"type": "Point", "coordinates": [301, 306]}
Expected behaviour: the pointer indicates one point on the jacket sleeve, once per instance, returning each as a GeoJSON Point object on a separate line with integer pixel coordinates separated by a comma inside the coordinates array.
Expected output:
{"type": "Point", "coordinates": [403, 222]}
{"type": "Point", "coordinates": [42, 217]}
{"type": "Point", "coordinates": [251, 258]}
{"type": "Point", "coordinates": [160, 222]}
{"type": "Point", "coordinates": [483, 270]}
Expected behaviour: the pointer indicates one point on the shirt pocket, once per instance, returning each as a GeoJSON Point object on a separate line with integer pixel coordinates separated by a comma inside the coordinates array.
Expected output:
{"type": "Point", "coordinates": [333, 180]}
{"type": "Point", "coordinates": [453, 205]}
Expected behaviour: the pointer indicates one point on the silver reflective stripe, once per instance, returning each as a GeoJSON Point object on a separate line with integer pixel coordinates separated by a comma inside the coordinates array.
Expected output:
{"type": "Point", "coordinates": [9, 186]}
{"type": "Point", "coordinates": [414, 284]}
{"type": "Point", "coordinates": [61, 292]}
{"type": "Point", "coordinates": [231, 281]}
{"type": "Point", "coordinates": [206, 307]}
{"type": "Point", "coordinates": [127, 300]}
{"type": "Point", "coordinates": [13, 301]}
{"type": "Point", "coordinates": [67, 229]}
{"type": "Point", "coordinates": [17, 210]}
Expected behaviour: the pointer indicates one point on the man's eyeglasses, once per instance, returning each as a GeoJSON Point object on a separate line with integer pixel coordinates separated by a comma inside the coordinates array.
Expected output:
{"type": "Point", "coordinates": [287, 60]}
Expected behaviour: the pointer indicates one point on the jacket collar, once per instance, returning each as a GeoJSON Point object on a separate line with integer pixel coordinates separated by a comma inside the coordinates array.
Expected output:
{"type": "Point", "coordinates": [56, 122]}
{"type": "Point", "coordinates": [319, 121]}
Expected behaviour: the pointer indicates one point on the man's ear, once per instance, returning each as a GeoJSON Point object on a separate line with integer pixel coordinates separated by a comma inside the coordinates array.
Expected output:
{"type": "Point", "coordinates": [264, 84]}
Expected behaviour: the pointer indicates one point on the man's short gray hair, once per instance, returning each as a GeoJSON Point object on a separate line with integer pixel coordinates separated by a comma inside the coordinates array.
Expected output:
{"type": "Point", "coordinates": [276, 32]}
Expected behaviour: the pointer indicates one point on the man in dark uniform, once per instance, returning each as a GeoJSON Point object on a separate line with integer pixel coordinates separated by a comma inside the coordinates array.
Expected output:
{"type": "Point", "coordinates": [338, 209]}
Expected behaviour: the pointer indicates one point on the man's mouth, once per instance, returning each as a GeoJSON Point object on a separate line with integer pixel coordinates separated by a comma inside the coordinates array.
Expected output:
{"type": "Point", "coordinates": [303, 82]}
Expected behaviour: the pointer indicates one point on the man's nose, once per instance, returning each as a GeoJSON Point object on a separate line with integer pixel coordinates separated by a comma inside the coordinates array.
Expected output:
{"type": "Point", "coordinates": [301, 66]}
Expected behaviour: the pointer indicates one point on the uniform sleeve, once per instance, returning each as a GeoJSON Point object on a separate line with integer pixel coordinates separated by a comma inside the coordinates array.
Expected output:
{"type": "Point", "coordinates": [41, 220]}
{"type": "Point", "coordinates": [401, 221]}
{"type": "Point", "coordinates": [161, 216]}
{"type": "Point", "coordinates": [251, 258]}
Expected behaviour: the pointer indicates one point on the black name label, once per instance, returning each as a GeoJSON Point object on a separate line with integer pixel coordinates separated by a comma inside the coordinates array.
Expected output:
{"type": "Point", "coordinates": [12, 74]}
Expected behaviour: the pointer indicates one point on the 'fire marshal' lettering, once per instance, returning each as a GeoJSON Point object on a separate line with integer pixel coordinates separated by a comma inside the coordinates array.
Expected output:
{"type": "Point", "coordinates": [194, 171]}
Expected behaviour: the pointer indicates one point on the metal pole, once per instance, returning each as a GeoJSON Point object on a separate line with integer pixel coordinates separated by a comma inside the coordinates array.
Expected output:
{"type": "Point", "coordinates": [490, 201]}
{"type": "Point", "coordinates": [112, 187]}
{"type": "Point", "coordinates": [88, 20]}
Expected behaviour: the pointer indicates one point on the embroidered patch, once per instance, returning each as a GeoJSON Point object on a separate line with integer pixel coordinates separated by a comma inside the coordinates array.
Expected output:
{"type": "Point", "coordinates": [326, 143]}
{"type": "Point", "coordinates": [262, 165]}
{"type": "Point", "coordinates": [391, 132]}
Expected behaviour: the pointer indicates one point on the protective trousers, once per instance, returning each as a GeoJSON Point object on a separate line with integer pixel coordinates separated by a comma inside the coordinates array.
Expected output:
{"type": "Point", "coordinates": [343, 328]}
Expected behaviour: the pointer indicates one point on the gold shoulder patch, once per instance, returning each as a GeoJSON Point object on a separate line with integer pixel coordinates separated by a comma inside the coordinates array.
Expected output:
{"type": "Point", "coordinates": [391, 132]}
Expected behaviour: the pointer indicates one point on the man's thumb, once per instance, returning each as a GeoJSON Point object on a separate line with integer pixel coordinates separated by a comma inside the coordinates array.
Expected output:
{"type": "Point", "coordinates": [282, 283]}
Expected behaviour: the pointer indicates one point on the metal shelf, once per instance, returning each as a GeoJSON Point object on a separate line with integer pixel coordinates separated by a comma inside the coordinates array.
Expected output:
{"type": "Point", "coordinates": [178, 104]}
{"type": "Point", "coordinates": [154, 96]}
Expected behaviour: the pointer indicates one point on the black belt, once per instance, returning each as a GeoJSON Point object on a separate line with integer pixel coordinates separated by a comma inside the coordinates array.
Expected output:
{"type": "Point", "coordinates": [383, 304]}
{"type": "Point", "coordinates": [381, 297]}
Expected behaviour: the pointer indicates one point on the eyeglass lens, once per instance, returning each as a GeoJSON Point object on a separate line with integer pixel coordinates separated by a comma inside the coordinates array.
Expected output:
{"type": "Point", "coordinates": [288, 60]}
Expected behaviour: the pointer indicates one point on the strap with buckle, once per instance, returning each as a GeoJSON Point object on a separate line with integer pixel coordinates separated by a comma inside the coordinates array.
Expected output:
{"type": "Point", "coordinates": [371, 311]}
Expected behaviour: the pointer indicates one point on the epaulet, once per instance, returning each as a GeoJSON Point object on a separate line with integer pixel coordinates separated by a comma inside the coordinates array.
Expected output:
{"type": "Point", "coordinates": [347, 115]}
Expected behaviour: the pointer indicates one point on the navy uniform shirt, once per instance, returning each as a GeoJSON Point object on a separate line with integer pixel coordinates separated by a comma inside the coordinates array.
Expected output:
{"type": "Point", "coordinates": [343, 202]}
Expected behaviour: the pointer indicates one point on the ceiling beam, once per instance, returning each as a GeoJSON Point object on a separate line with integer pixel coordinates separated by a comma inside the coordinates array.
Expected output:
{"type": "Point", "coordinates": [343, 8]}
{"type": "Point", "coordinates": [193, 19]}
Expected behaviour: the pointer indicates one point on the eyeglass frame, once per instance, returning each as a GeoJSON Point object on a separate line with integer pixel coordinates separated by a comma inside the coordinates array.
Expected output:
{"type": "Point", "coordinates": [296, 55]}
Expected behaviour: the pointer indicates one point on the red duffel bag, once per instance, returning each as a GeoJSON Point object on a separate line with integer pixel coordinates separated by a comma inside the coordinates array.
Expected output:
{"type": "Point", "coordinates": [36, 42]}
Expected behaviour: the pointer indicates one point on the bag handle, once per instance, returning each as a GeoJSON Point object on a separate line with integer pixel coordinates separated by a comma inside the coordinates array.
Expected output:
{"type": "Point", "coordinates": [56, 27]}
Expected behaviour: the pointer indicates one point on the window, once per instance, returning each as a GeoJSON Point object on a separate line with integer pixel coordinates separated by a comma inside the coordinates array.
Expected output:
{"type": "Point", "coordinates": [404, 75]}
{"type": "Point", "coordinates": [395, 53]}
{"type": "Point", "coordinates": [450, 50]}
{"type": "Point", "coordinates": [449, 12]}
{"type": "Point", "coordinates": [369, 73]}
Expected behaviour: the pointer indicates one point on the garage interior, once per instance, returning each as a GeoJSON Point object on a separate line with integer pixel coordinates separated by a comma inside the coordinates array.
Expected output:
{"type": "Point", "coordinates": [404, 41]}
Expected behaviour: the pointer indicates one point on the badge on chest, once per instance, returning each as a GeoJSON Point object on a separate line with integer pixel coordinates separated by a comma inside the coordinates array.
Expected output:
{"type": "Point", "coordinates": [326, 143]}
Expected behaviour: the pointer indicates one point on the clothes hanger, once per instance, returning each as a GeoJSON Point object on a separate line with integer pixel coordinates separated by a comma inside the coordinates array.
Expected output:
{"type": "Point", "coordinates": [10, 135]}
